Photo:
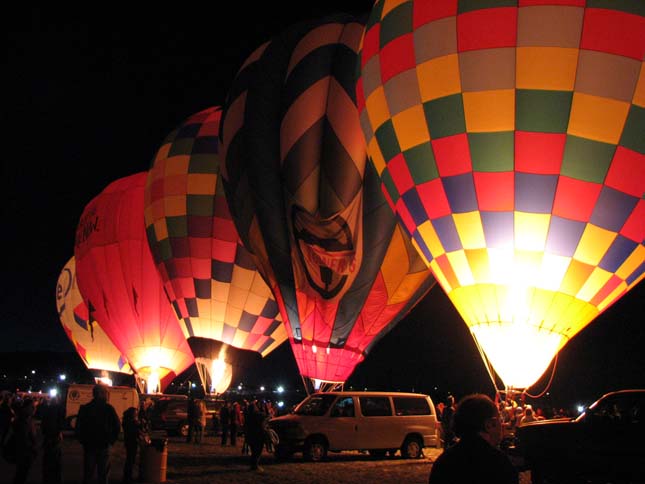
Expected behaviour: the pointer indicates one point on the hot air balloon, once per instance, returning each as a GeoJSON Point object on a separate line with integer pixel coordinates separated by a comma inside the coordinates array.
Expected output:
{"type": "Point", "coordinates": [509, 140]}
{"type": "Point", "coordinates": [90, 341]}
{"type": "Point", "coordinates": [225, 308]}
{"type": "Point", "coordinates": [118, 279]}
{"type": "Point", "coordinates": [307, 209]}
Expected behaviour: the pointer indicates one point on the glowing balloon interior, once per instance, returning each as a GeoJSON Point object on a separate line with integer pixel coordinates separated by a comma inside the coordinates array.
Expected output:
{"type": "Point", "coordinates": [118, 279]}
{"type": "Point", "coordinates": [307, 205]}
{"type": "Point", "coordinates": [90, 341]}
{"type": "Point", "coordinates": [510, 141]}
{"type": "Point", "coordinates": [210, 278]}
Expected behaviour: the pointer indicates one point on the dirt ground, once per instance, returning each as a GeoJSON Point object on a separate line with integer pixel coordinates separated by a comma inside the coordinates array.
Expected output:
{"type": "Point", "coordinates": [212, 463]}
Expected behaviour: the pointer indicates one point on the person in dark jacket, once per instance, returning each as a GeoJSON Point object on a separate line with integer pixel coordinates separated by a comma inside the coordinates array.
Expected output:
{"type": "Point", "coordinates": [236, 422]}
{"type": "Point", "coordinates": [98, 428]}
{"type": "Point", "coordinates": [26, 447]}
{"type": "Point", "coordinates": [475, 457]}
{"type": "Point", "coordinates": [199, 420]}
{"type": "Point", "coordinates": [225, 421]}
{"type": "Point", "coordinates": [190, 417]}
{"type": "Point", "coordinates": [447, 423]}
{"type": "Point", "coordinates": [146, 412]}
{"type": "Point", "coordinates": [51, 428]}
{"type": "Point", "coordinates": [255, 427]}
{"type": "Point", "coordinates": [6, 414]}
{"type": "Point", "coordinates": [131, 429]}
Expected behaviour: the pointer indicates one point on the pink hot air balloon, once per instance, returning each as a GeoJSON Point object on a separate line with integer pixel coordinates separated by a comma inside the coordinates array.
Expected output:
{"type": "Point", "coordinates": [118, 279]}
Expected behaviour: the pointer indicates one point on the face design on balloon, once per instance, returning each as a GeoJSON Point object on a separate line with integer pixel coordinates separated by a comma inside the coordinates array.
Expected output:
{"type": "Point", "coordinates": [325, 249]}
{"type": "Point", "coordinates": [62, 289]}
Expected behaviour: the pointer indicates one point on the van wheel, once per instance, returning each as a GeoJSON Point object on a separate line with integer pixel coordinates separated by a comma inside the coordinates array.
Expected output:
{"type": "Point", "coordinates": [412, 448]}
{"type": "Point", "coordinates": [315, 449]}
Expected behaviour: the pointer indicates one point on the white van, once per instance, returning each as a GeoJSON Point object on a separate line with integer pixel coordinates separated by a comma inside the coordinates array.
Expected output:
{"type": "Point", "coordinates": [379, 422]}
{"type": "Point", "coordinates": [121, 398]}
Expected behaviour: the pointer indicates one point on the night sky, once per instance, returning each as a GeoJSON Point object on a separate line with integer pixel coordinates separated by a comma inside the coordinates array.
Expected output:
{"type": "Point", "coordinates": [90, 96]}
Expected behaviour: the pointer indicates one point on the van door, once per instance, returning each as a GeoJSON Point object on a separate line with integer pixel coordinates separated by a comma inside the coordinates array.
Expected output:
{"type": "Point", "coordinates": [122, 399]}
{"type": "Point", "coordinates": [342, 425]}
{"type": "Point", "coordinates": [377, 429]}
{"type": "Point", "coordinates": [77, 395]}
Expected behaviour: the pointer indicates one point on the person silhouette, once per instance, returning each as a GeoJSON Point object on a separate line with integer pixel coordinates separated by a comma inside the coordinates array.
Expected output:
{"type": "Point", "coordinates": [476, 456]}
{"type": "Point", "coordinates": [447, 424]}
{"type": "Point", "coordinates": [51, 429]}
{"type": "Point", "coordinates": [97, 427]}
{"type": "Point", "coordinates": [131, 429]}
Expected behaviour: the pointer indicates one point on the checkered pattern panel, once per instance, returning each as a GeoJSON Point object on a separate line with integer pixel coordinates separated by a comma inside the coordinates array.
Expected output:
{"type": "Point", "coordinates": [208, 275]}
{"type": "Point", "coordinates": [511, 134]}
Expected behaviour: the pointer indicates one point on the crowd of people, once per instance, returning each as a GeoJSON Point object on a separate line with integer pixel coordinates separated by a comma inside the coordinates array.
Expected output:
{"type": "Point", "coordinates": [472, 431]}
{"type": "Point", "coordinates": [20, 441]}
{"type": "Point", "coordinates": [98, 427]}
{"type": "Point", "coordinates": [511, 412]}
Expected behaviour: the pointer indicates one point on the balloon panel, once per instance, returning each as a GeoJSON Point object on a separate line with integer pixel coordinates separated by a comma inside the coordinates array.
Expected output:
{"type": "Point", "coordinates": [210, 278]}
{"type": "Point", "coordinates": [310, 213]}
{"type": "Point", "coordinates": [513, 152]}
{"type": "Point", "coordinates": [90, 341]}
{"type": "Point", "coordinates": [119, 281]}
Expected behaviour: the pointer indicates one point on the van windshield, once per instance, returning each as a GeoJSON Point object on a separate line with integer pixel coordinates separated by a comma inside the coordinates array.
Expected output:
{"type": "Point", "coordinates": [315, 405]}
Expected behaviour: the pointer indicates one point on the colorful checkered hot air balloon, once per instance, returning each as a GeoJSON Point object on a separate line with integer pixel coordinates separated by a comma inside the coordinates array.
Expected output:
{"type": "Point", "coordinates": [305, 205]}
{"type": "Point", "coordinates": [90, 341]}
{"type": "Point", "coordinates": [118, 279]}
{"type": "Point", "coordinates": [223, 304]}
{"type": "Point", "coordinates": [510, 141]}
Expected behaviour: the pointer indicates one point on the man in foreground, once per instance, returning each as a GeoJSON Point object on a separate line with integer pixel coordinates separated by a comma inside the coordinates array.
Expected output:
{"type": "Point", "coordinates": [476, 457]}
{"type": "Point", "coordinates": [98, 428]}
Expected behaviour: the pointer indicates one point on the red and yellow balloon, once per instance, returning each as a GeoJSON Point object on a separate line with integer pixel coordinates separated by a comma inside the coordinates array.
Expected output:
{"type": "Point", "coordinates": [510, 141]}
{"type": "Point", "coordinates": [90, 341]}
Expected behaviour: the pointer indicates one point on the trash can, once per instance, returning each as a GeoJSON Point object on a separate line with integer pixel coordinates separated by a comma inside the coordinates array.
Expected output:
{"type": "Point", "coordinates": [154, 460]}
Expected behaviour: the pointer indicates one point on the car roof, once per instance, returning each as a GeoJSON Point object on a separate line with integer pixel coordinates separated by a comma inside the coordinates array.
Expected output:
{"type": "Point", "coordinates": [372, 394]}
{"type": "Point", "coordinates": [631, 390]}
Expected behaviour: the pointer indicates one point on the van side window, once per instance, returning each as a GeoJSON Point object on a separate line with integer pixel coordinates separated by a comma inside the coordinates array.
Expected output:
{"type": "Point", "coordinates": [618, 409]}
{"type": "Point", "coordinates": [315, 405]}
{"type": "Point", "coordinates": [375, 406]}
{"type": "Point", "coordinates": [344, 407]}
{"type": "Point", "coordinates": [411, 406]}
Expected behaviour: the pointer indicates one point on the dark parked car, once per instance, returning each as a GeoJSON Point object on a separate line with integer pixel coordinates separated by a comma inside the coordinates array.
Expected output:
{"type": "Point", "coordinates": [171, 414]}
{"type": "Point", "coordinates": [604, 444]}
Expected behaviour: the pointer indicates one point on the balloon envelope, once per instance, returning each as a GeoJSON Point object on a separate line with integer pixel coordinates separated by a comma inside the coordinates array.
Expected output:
{"type": "Point", "coordinates": [221, 300]}
{"type": "Point", "coordinates": [90, 341]}
{"type": "Point", "coordinates": [118, 279]}
{"type": "Point", "coordinates": [510, 142]}
{"type": "Point", "coordinates": [304, 204]}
